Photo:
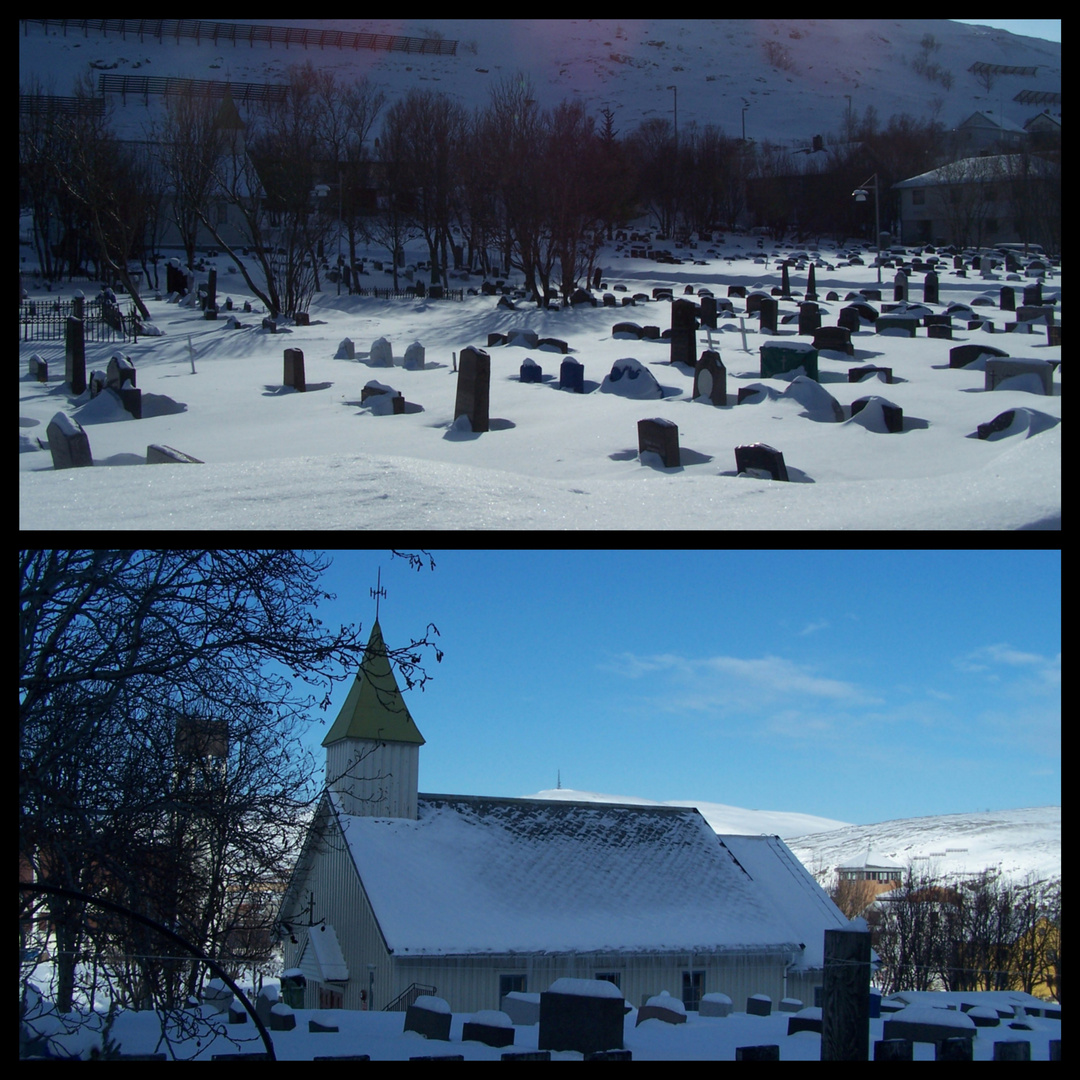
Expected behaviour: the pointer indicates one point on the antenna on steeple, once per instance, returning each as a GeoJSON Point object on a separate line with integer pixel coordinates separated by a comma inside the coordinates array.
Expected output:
{"type": "Point", "coordinates": [558, 781]}
{"type": "Point", "coordinates": [377, 592]}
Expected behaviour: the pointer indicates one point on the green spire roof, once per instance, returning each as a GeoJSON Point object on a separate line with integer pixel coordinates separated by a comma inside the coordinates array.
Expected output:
{"type": "Point", "coordinates": [374, 708]}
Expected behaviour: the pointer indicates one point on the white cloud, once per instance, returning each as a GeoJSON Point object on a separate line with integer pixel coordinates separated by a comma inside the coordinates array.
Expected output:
{"type": "Point", "coordinates": [719, 682]}
{"type": "Point", "coordinates": [810, 628]}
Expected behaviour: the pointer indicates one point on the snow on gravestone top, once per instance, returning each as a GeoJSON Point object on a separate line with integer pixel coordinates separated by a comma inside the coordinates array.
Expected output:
{"type": "Point", "coordinates": [585, 988]}
{"type": "Point", "coordinates": [491, 1018]}
{"type": "Point", "coordinates": [927, 1014]}
{"type": "Point", "coordinates": [720, 999]}
{"type": "Point", "coordinates": [432, 1004]}
{"type": "Point", "coordinates": [664, 1000]}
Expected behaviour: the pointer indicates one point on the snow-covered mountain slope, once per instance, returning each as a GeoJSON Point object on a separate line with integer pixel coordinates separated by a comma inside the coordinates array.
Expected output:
{"type": "Point", "coordinates": [1019, 842]}
{"type": "Point", "coordinates": [796, 77]}
{"type": "Point", "coordinates": [723, 819]}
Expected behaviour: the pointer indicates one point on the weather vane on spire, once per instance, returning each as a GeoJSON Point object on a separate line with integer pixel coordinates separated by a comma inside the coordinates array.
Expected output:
{"type": "Point", "coordinates": [377, 592]}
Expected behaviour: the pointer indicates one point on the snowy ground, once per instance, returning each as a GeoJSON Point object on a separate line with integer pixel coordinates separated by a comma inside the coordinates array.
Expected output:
{"type": "Point", "coordinates": [277, 458]}
{"type": "Point", "coordinates": [380, 1035]}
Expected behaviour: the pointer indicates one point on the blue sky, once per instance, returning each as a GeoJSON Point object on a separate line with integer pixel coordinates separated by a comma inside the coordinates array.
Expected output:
{"type": "Point", "coordinates": [1050, 29]}
{"type": "Point", "coordinates": [861, 686]}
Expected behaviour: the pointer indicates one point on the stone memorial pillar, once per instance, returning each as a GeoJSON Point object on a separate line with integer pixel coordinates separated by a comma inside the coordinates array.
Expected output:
{"type": "Point", "coordinates": [683, 336]}
{"type": "Point", "coordinates": [710, 378]}
{"type": "Point", "coordinates": [473, 388]}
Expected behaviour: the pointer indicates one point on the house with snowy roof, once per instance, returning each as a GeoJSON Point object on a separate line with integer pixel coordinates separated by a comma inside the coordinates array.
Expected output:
{"type": "Point", "coordinates": [398, 893]}
{"type": "Point", "coordinates": [981, 201]}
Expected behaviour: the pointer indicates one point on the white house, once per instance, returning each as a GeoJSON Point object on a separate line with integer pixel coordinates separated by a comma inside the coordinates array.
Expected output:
{"type": "Point", "coordinates": [470, 897]}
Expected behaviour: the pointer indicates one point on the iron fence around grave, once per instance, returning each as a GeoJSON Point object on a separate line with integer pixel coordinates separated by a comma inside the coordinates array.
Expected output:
{"type": "Point", "coordinates": [46, 320]}
{"type": "Point", "coordinates": [410, 294]}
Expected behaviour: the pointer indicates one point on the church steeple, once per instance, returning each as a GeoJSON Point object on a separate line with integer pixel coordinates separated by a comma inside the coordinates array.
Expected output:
{"type": "Point", "coordinates": [373, 747]}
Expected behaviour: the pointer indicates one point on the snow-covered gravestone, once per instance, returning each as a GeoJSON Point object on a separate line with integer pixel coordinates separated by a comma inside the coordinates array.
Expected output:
{"type": "Point", "coordinates": [715, 1005]}
{"type": "Point", "coordinates": [491, 1027]}
{"type": "Point", "coordinates": [1014, 373]}
{"type": "Point", "coordinates": [581, 1014]}
{"type": "Point", "coordinates": [663, 1007]}
{"type": "Point", "coordinates": [68, 443]}
{"type": "Point", "coordinates": [660, 436]}
{"type": "Point", "coordinates": [414, 357]}
{"type": "Point", "coordinates": [346, 350]}
{"type": "Point", "coordinates": [760, 460]}
{"type": "Point", "coordinates": [382, 355]}
{"type": "Point", "coordinates": [282, 1018]}
{"type": "Point", "coordinates": [758, 1005]}
{"type": "Point", "coordinates": [429, 1016]}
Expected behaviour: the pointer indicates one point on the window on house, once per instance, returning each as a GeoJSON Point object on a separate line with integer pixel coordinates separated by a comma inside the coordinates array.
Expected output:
{"type": "Point", "coordinates": [611, 977]}
{"type": "Point", "coordinates": [918, 197]}
{"type": "Point", "coordinates": [330, 998]}
{"type": "Point", "coordinates": [511, 984]}
{"type": "Point", "coordinates": [692, 984]}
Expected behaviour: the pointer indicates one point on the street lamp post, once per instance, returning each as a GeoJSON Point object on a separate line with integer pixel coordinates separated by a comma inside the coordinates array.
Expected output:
{"type": "Point", "coordinates": [860, 196]}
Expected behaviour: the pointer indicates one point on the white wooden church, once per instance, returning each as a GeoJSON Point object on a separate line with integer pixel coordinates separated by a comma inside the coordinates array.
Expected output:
{"type": "Point", "coordinates": [397, 893]}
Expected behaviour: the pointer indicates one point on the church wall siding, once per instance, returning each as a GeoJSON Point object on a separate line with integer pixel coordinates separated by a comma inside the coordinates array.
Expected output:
{"type": "Point", "coordinates": [470, 983]}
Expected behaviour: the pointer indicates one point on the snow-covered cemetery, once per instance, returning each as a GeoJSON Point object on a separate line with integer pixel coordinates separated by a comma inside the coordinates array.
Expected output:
{"type": "Point", "coordinates": [725, 274]}
{"type": "Point", "coordinates": [412, 925]}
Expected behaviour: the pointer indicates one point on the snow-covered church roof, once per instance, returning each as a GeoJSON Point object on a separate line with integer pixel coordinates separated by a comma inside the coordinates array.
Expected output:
{"type": "Point", "coordinates": [490, 875]}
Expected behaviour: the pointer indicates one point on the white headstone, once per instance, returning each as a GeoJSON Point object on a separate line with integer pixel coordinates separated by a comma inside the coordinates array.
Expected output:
{"type": "Point", "coordinates": [381, 353]}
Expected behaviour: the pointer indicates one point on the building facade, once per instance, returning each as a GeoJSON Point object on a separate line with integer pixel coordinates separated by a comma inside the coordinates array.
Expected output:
{"type": "Point", "coordinates": [398, 893]}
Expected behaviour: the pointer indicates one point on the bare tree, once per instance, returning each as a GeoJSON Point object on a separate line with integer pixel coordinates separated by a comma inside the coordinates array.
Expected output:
{"type": "Point", "coordinates": [161, 699]}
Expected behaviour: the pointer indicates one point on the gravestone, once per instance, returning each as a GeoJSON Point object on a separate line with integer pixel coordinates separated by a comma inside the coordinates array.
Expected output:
{"type": "Point", "coordinates": [662, 1007]}
{"type": "Point", "coordinates": [574, 1017]}
{"type": "Point", "coordinates": [804, 1020]}
{"type": "Point", "coordinates": [661, 437]}
{"type": "Point", "coordinates": [429, 1016]}
{"type": "Point", "coordinates": [757, 1053]}
{"type": "Point", "coordinates": [758, 1004]}
{"type": "Point", "coordinates": [1008, 298]}
{"type": "Point", "coordinates": [785, 285]}
{"type": "Point", "coordinates": [1033, 295]}
{"type": "Point", "coordinates": [708, 311]}
{"type": "Point", "coordinates": [1000, 369]}
{"type": "Point", "coordinates": [391, 402]}
{"type": "Point", "coordinates": [930, 288]}
{"type": "Point", "coordinates": [414, 357]}
{"type": "Point", "coordinates": [892, 415]}
{"type": "Point", "coordinates": [68, 443]}
{"type": "Point", "coordinates": [39, 368]}
{"type": "Point", "coordinates": [939, 331]}
{"type": "Point", "coordinates": [857, 374]}
{"type": "Point", "coordinates": [710, 378]}
{"type": "Point", "coordinates": [849, 319]}
{"type": "Point", "coordinates": [473, 388]}
{"type": "Point", "coordinates": [98, 382]}
{"type": "Point", "coordinates": [809, 317]}
{"type": "Point", "coordinates": [120, 372]}
{"type": "Point", "coordinates": [158, 454]}
{"type": "Point", "coordinates": [491, 1027]}
{"type": "Point", "coordinates": [266, 1000]}
{"type": "Point", "coordinates": [522, 1008]}
{"type": "Point", "coordinates": [900, 286]}
{"type": "Point", "coordinates": [921, 1023]}
{"type": "Point", "coordinates": [811, 285]}
{"type": "Point", "coordinates": [683, 337]}
{"type": "Point", "coordinates": [715, 1005]}
{"type": "Point", "coordinates": [962, 355]}
{"type": "Point", "coordinates": [572, 376]}
{"type": "Point", "coordinates": [761, 457]}
{"type": "Point", "coordinates": [382, 355]}
{"type": "Point", "coordinates": [74, 355]}
{"type": "Point", "coordinates": [784, 355]}
{"type": "Point", "coordinates": [530, 371]}
{"type": "Point", "coordinates": [1053, 335]}
{"type": "Point", "coordinates": [835, 338]}
{"type": "Point", "coordinates": [346, 350]}
{"type": "Point", "coordinates": [294, 369]}
{"type": "Point", "coordinates": [908, 323]}
{"type": "Point", "coordinates": [768, 309]}
{"type": "Point", "coordinates": [893, 1050]}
